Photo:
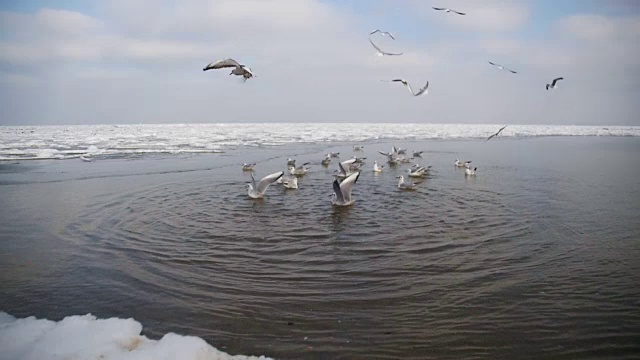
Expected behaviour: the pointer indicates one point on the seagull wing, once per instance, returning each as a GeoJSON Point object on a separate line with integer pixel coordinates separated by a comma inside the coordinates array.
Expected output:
{"type": "Point", "coordinates": [459, 13]}
{"type": "Point", "coordinates": [421, 91]}
{"type": "Point", "coordinates": [489, 138]}
{"type": "Point", "coordinates": [494, 64]}
{"type": "Point", "coordinates": [383, 153]}
{"type": "Point", "coordinates": [347, 184]}
{"type": "Point", "coordinates": [514, 72]}
{"type": "Point", "coordinates": [439, 9]}
{"type": "Point", "coordinates": [392, 54]}
{"type": "Point", "coordinates": [409, 88]}
{"type": "Point", "coordinates": [268, 180]}
{"type": "Point", "coordinates": [253, 181]}
{"type": "Point", "coordinates": [502, 128]}
{"type": "Point", "coordinates": [390, 35]}
{"type": "Point", "coordinates": [376, 47]}
{"type": "Point", "coordinates": [221, 64]}
{"type": "Point", "coordinates": [556, 80]}
{"type": "Point", "coordinates": [338, 191]}
{"type": "Point", "coordinates": [374, 31]}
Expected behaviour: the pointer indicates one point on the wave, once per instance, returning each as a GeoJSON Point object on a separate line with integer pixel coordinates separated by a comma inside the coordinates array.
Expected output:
{"type": "Point", "coordinates": [68, 142]}
{"type": "Point", "coordinates": [86, 337]}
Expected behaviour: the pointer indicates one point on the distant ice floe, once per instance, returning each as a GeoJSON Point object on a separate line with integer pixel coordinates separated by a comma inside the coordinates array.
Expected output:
{"type": "Point", "coordinates": [86, 337]}
{"type": "Point", "coordinates": [69, 142]}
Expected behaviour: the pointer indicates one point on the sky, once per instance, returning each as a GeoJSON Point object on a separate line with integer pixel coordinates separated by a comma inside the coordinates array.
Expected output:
{"type": "Point", "coordinates": [140, 61]}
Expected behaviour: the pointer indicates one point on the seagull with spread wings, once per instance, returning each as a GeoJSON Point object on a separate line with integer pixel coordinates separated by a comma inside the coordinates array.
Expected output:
{"type": "Point", "coordinates": [257, 190]}
{"type": "Point", "coordinates": [553, 84]}
{"type": "Point", "coordinates": [342, 190]}
{"type": "Point", "coordinates": [238, 69]}
{"type": "Point", "coordinates": [496, 134]}
{"type": "Point", "coordinates": [406, 84]}
{"type": "Point", "coordinates": [449, 10]}
{"type": "Point", "coordinates": [502, 67]}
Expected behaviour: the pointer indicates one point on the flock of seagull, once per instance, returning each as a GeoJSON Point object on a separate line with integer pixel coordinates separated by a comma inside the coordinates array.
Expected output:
{"type": "Point", "coordinates": [246, 73]}
{"type": "Point", "coordinates": [347, 173]}
{"type": "Point", "coordinates": [349, 170]}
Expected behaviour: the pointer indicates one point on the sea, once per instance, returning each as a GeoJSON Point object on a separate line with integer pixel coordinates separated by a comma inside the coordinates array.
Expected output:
{"type": "Point", "coordinates": [536, 256]}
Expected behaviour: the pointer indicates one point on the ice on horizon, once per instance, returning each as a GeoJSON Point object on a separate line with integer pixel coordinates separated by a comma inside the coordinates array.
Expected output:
{"type": "Point", "coordinates": [87, 337]}
{"type": "Point", "coordinates": [69, 142]}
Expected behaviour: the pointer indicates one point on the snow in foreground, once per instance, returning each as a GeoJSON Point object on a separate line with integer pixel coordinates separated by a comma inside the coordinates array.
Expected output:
{"type": "Point", "coordinates": [86, 337]}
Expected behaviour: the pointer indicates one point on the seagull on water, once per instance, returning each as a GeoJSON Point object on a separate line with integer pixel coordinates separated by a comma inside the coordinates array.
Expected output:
{"type": "Point", "coordinates": [377, 168]}
{"type": "Point", "coordinates": [553, 83]}
{"type": "Point", "coordinates": [502, 67]}
{"type": "Point", "coordinates": [290, 182]}
{"type": "Point", "coordinates": [405, 83]}
{"type": "Point", "coordinates": [404, 185]}
{"type": "Point", "coordinates": [326, 161]}
{"type": "Point", "coordinates": [342, 191]}
{"type": "Point", "coordinates": [383, 33]}
{"type": "Point", "coordinates": [256, 191]}
{"type": "Point", "coordinates": [358, 148]}
{"type": "Point", "coordinates": [238, 69]}
{"type": "Point", "coordinates": [417, 154]}
{"type": "Point", "coordinates": [381, 52]}
{"type": "Point", "coordinates": [459, 163]}
{"type": "Point", "coordinates": [449, 10]}
{"type": "Point", "coordinates": [248, 167]}
{"type": "Point", "coordinates": [469, 172]}
{"type": "Point", "coordinates": [420, 171]}
{"type": "Point", "coordinates": [496, 134]}
{"type": "Point", "coordinates": [291, 162]}
{"type": "Point", "coordinates": [298, 171]}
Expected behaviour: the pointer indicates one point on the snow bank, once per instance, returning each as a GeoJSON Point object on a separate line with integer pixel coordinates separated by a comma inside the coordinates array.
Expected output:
{"type": "Point", "coordinates": [86, 337]}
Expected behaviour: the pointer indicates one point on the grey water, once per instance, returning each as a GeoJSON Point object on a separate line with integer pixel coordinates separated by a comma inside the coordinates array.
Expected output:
{"type": "Point", "coordinates": [537, 256]}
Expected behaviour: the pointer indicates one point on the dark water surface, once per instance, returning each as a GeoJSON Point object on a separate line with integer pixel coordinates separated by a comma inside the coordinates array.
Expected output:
{"type": "Point", "coordinates": [536, 257]}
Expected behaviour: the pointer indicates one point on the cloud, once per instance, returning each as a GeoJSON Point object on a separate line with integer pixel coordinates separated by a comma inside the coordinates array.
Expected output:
{"type": "Point", "coordinates": [141, 60]}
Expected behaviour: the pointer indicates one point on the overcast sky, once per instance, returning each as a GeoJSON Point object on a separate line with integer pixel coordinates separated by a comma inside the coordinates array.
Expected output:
{"type": "Point", "coordinates": [132, 61]}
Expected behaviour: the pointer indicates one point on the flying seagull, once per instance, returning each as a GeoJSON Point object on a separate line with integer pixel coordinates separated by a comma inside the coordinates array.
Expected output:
{"type": "Point", "coordinates": [449, 10]}
{"type": "Point", "coordinates": [553, 83]}
{"type": "Point", "coordinates": [342, 191]}
{"type": "Point", "coordinates": [405, 83]}
{"type": "Point", "coordinates": [381, 52]}
{"type": "Point", "coordinates": [496, 134]}
{"type": "Point", "coordinates": [383, 33]}
{"type": "Point", "coordinates": [238, 69]}
{"type": "Point", "coordinates": [502, 67]}
{"type": "Point", "coordinates": [257, 191]}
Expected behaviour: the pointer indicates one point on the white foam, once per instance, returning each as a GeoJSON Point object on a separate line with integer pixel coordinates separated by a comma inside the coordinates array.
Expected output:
{"type": "Point", "coordinates": [67, 142]}
{"type": "Point", "coordinates": [86, 337]}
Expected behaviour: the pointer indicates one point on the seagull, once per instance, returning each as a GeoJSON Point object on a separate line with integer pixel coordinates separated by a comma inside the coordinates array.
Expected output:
{"type": "Point", "coordinates": [402, 151]}
{"type": "Point", "coordinates": [496, 134]}
{"type": "Point", "coordinates": [419, 171]}
{"type": "Point", "coordinates": [383, 33]}
{"type": "Point", "coordinates": [239, 69]}
{"type": "Point", "coordinates": [377, 168]}
{"type": "Point", "coordinates": [449, 10]}
{"type": "Point", "coordinates": [256, 191]}
{"type": "Point", "coordinates": [300, 170]}
{"type": "Point", "coordinates": [405, 83]}
{"type": "Point", "coordinates": [291, 162]}
{"type": "Point", "coordinates": [326, 160]}
{"type": "Point", "coordinates": [290, 182]}
{"type": "Point", "coordinates": [403, 185]}
{"type": "Point", "coordinates": [469, 172]}
{"type": "Point", "coordinates": [357, 148]}
{"type": "Point", "coordinates": [553, 83]}
{"type": "Point", "coordinates": [333, 155]}
{"type": "Point", "coordinates": [248, 167]}
{"type": "Point", "coordinates": [381, 52]}
{"type": "Point", "coordinates": [459, 163]}
{"type": "Point", "coordinates": [417, 154]}
{"type": "Point", "coordinates": [502, 67]}
{"type": "Point", "coordinates": [344, 169]}
{"type": "Point", "coordinates": [342, 191]}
